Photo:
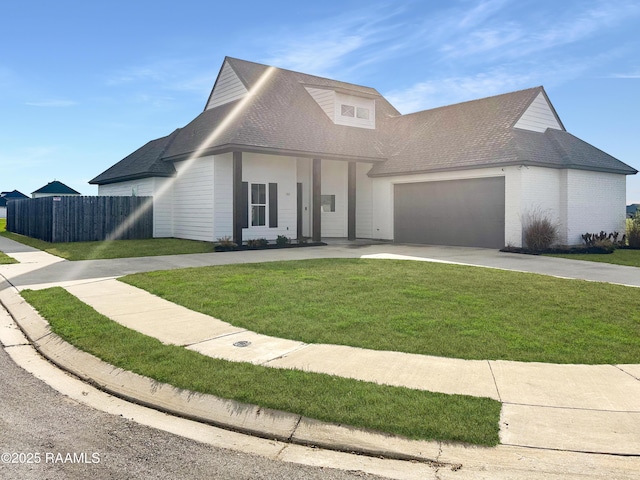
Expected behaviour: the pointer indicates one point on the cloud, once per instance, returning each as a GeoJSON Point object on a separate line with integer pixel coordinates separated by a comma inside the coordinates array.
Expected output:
{"type": "Point", "coordinates": [25, 157]}
{"type": "Point", "coordinates": [175, 74]}
{"type": "Point", "coordinates": [635, 75]}
{"type": "Point", "coordinates": [53, 103]}
{"type": "Point", "coordinates": [450, 90]}
{"type": "Point", "coordinates": [338, 43]}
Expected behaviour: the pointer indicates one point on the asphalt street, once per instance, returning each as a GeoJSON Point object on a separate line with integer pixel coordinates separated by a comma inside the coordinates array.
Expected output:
{"type": "Point", "coordinates": [50, 436]}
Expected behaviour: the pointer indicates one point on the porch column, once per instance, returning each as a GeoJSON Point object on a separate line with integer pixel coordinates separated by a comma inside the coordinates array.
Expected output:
{"type": "Point", "coordinates": [351, 201]}
{"type": "Point", "coordinates": [316, 181]}
{"type": "Point", "coordinates": [237, 198]}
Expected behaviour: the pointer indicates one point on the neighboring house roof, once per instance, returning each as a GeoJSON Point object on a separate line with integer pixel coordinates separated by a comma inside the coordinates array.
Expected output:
{"type": "Point", "coordinates": [13, 194]}
{"type": "Point", "coordinates": [632, 209]}
{"type": "Point", "coordinates": [279, 115]}
{"type": "Point", "coordinates": [57, 187]}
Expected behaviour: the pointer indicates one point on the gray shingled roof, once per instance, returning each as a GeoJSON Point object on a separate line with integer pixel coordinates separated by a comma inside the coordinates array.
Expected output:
{"type": "Point", "coordinates": [480, 134]}
{"type": "Point", "coordinates": [283, 118]}
{"type": "Point", "coordinates": [144, 162]}
{"type": "Point", "coordinates": [57, 187]}
{"type": "Point", "coordinates": [560, 149]}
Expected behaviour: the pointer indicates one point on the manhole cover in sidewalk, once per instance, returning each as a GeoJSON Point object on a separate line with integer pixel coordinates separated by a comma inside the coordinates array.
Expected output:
{"type": "Point", "coordinates": [242, 343]}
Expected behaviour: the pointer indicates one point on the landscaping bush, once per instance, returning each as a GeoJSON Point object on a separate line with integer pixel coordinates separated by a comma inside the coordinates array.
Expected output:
{"type": "Point", "coordinates": [539, 231]}
{"type": "Point", "coordinates": [225, 244]}
{"type": "Point", "coordinates": [633, 231]}
{"type": "Point", "coordinates": [283, 240]}
{"type": "Point", "coordinates": [257, 243]}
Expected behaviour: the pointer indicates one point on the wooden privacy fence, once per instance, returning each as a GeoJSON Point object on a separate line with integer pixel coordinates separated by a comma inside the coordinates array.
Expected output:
{"type": "Point", "coordinates": [80, 219]}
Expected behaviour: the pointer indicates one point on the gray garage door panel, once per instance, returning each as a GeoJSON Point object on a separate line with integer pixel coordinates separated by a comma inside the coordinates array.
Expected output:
{"type": "Point", "coordinates": [457, 212]}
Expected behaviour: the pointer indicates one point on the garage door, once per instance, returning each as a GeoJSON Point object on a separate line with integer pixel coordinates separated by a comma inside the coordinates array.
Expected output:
{"type": "Point", "coordinates": [466, 213]}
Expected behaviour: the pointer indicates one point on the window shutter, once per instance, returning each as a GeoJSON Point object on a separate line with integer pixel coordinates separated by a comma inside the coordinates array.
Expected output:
{"type": "Point", "coordinates": [244, 206]}
{"type": "Point", "coordinates": [273, 205]}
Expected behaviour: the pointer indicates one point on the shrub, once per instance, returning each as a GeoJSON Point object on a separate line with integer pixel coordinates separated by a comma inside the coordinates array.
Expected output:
{"type": "Point", "coordinates": [604, 239]}
{"type": "Point", "coordinates": [539, 231]}
{"type": "Point", "coordinates": [225, 244]}
{"type": "Point", "coordinates": [282, 240]}
{"type": "Point", "coordinates": [633, 231]}
{"type": "Point", "coordinates": [257, 243]}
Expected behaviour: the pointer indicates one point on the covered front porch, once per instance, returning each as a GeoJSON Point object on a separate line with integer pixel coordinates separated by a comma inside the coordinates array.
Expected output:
{"type": "Point", "coordinates": [304, 198]}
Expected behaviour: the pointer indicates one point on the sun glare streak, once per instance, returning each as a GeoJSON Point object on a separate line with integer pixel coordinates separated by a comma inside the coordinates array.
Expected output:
{"type": "Point", "coordinates": [197, 153]}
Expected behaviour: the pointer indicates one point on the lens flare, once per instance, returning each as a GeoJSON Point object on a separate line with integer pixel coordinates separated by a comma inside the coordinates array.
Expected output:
{"type": "Point", "coordinates": [166, 186]}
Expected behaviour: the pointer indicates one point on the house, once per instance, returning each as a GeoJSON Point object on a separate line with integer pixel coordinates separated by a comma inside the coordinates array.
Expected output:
{"type": "Point", "coordinates": [7, 197]}
{"type": "Point", "coordinates": [277, 152]}
{"type": "Point", "coordinates": [632, 209]}
{"type": "Point", "coordinates": [54, 189]}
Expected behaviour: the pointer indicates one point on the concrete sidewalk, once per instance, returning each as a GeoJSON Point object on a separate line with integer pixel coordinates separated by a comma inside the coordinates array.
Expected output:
{"type": "Point", "coordinates": [588, 408]}
{"type": "Point", "coordinates": [557, 407]}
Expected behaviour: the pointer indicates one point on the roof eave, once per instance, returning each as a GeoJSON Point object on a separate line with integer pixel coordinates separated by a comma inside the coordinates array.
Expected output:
{"type": "Point", "coordinates": [221, 149]}
{"type": "Point", "coordinates": [630, 171]}
{"type": "Point", "coordinates": [124, 178]}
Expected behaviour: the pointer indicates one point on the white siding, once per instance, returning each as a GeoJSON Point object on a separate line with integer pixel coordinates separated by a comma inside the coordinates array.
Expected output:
{"type": "Point", "coordinates": [325, 98]}
{"type": "Point", "coordinates": [3, 212]}
{"type": "Point", "coordinates": [163, 207]}
{"type": "Point", "coordinates": [267, 169]}
{"type": "Point", "coordinates": [539, 116]}
{"type": "Point", "coordinates": [364, 201]}
{"type": "Point", "coordinates": [159, 188]}
{"type": "Point", "coordinates": [227, 89]}
{"type": "Point", "coordinates": [193, 212]}
{"type": "Point", "coordinates": [595, 202]}
{"type": "Point", "coordinates": [334, 182]}
{"type": "Point", "coordinates": [223, 196]}
{"type": "Point", "coordinates": [541, 197]}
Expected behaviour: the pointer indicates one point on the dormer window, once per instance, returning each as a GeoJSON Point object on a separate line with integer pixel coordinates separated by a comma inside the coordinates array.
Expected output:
{"type": "Point", "coordinates": [362, 113]}
{"type": "Point", "coordinates": [353, 111]}
{"type": "Point", "coordinates": [347, 110]}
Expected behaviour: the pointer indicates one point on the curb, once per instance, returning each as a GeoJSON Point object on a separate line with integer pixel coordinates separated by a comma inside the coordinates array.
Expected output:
{"type": "Point", "coordinates": [205, 408]}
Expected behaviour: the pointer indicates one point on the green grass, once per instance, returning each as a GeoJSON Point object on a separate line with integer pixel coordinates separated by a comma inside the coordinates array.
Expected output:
{"type": "Point", "coordinates": [618, 257]}
{"type": "Point", "coordinates": [417, 307]}
{"type": "Point", "coordinates": [410, 413]}
{"type": "Point", "coordinates": [4, 258]}
{"type": "Point", "coordinates": [115, 248]}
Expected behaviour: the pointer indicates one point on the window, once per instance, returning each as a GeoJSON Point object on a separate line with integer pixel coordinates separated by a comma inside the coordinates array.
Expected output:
{"type": "Point", "coordinates": [328, 203]}
{"type": "Point", "coordinates": [258, 204]}
{"type": "Point", "coordinates": [354, 112]}
{"type": "Point", "coordinates": [347, 110]}
{"type": "Point", "coordinates": [362, 113]}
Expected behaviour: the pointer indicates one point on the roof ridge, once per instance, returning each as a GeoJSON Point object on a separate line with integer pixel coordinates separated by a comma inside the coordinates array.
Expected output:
{"type": "Point", "coordinates": [539, 88]}
{"type": "Point", "coordinates": [301, 73]}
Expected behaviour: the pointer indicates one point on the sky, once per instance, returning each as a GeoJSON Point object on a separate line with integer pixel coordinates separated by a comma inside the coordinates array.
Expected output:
{"type": "Point", "coordinates": [85, 83]}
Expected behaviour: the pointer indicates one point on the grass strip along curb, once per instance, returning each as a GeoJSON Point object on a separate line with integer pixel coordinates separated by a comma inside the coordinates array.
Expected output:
{"type": "Point", "coordinates": [410, 413]}
{"type": "Point", "coordinates": [628, 257]}
{"type": "Point", "coordinates": [114, 248]}
{"type": "Point", "coordinates": [425, 308]}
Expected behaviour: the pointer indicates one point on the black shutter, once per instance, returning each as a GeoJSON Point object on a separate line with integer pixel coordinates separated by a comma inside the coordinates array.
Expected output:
{"type": "Point", "coordinates": [244, 205]}
{"type": "Point", "coordinates": [273, 205]}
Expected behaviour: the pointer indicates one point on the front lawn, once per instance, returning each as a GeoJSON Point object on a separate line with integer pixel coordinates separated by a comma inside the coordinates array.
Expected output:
{"type": "Point", "coordinates": [402, 411]}
{"type": "Point", "coordinates": [619, 257]}
{"type": "Point", "coordinates": [115, 248]}
{"type": "Point", "coordinates": [416, 307]}
{"type": "Point", "coordinates": [4, 258]}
